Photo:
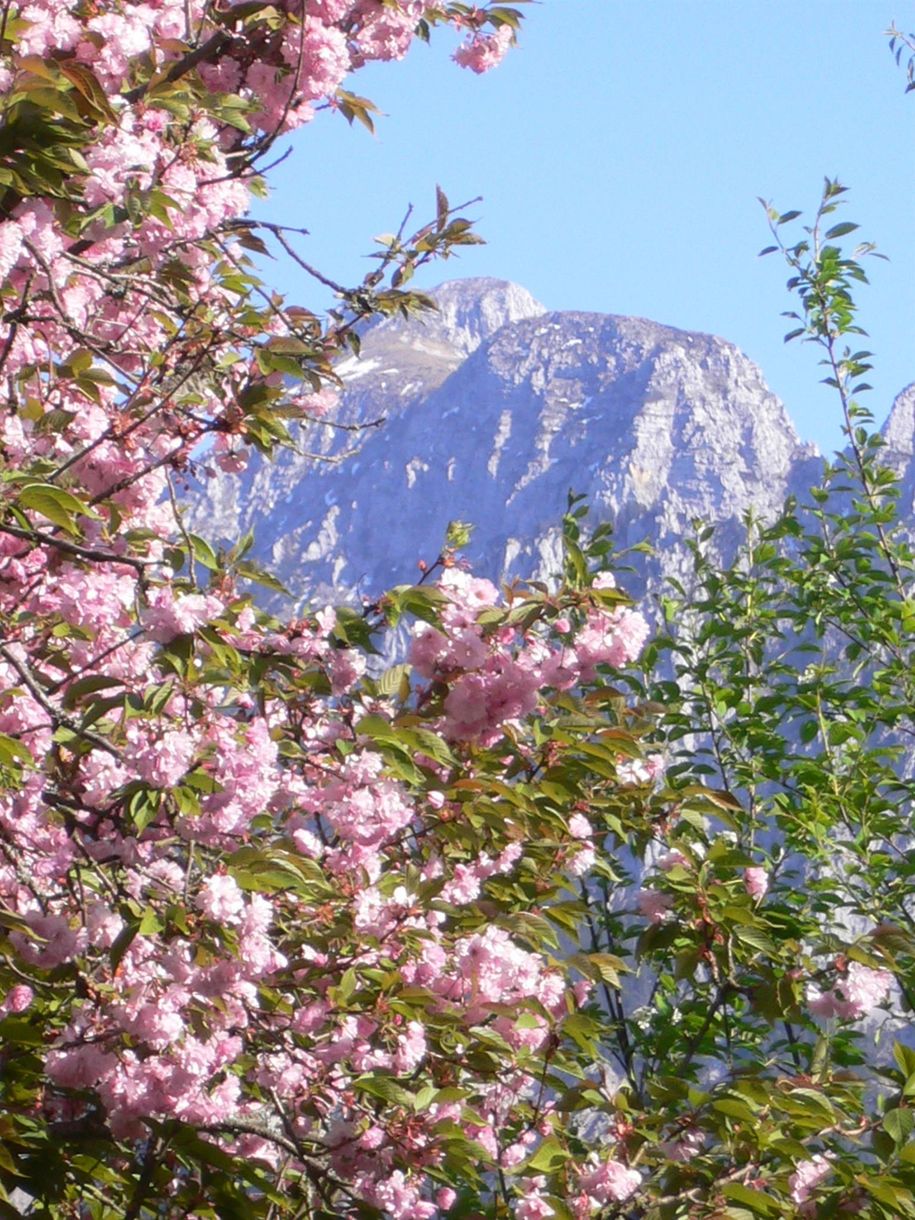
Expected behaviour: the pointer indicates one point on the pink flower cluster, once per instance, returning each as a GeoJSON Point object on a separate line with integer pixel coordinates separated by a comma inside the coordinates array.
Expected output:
{"type": "Point", "coordinates": [481, 52]}
{"type": "Point", "coordinates": [172, 802]}
{"type": "Point", "coordinates": [807, 1176]}
{"type": "Point", "coordinates": [608, 1182]}
{"type": "Point", "coordinates": [238, 900]}
{"type": "Point", "coordinates": [756, 881]}
{"type": "Point", "coordinates": [488, 684]}
{"type": "Point", "coordinates": [145, 194]}
{"type": "Point", "coordinates": [854, 996]}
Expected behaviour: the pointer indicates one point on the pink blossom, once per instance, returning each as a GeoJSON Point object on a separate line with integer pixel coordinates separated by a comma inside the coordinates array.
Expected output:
{"type": "Point", "coordinates": [671, 859]}
{"type": "Point", "coordinates": [685, 1147]}
{"type": "Point", "coordinates": [318, 404]}
{"type": "Point", "coordinates": [807, 1176]}
{"type": "Point", "coordinates": [463, 887]}
{"type": "Point", "coordinates": [40, 229]}
{"type": "Point", "coordinates": [18, 998]}
{"type": "Point", "coordinates": [756, 881]}
{"type": "Point", "coordinates": [79, 1067]}
{"type": "Point", "coordinates": [532, 1205]}
{"type": "Point", "coordinates": [640, 770]}
{"type": "Point", "coordinates": [163, 762]}
{"type": "Point", "coordinates": [11, 246]}
{"type": "Point", "coordinates": [583, 860]}
{"type": "Point", "coordinates": [468, 594]}
{"type": "Point", "coordinates": [854, 996]}
{"type": "Point", "coordinates": [139, 351]}
{"type": "Point", "coordinates": [655, 906]}
{"type": "Point", "coordinates": [865, 988]}
{"type": "Point", "coordinates": [346, 667]}
{"type": "Point", "coordinates": [387, 33]}
{"type": "Point", "coordinates": [159, 1025]}
{"type": "Point", "coordinates": [610, 638]}
{"type": "Point", "coordinates": [169, 615]}
{"type": "Point", "coordinates": [610, 1181]}
{"type": "Point", "coordinates": [582, 991]}
{"type": "Point", "coordinates": [230, 460]}
{"type": "Point", "coordinates": [103, 925]}
{"type": "Point", "coordinates": [411, 1049]}
{"type": "Point", "coordinates": [220, 899]}
{"type": "Point", "coordinates": [325, 56]}
{"type": "Point", "coordinates": [396, 1194]}
{"type": "Point", "coordinates": [308, 843]}
{"type": "Point", "coordinates": [102, 775]}
{"type": "Point", "coordinates": [54, 940]}
{"type": "Point", "coordinates": [507, 858]}
{"type": "Point", "coordinates": [481, 52]}
{"type": "Point", "coordinates": [580, 827]}
{"type": "Point", "coordinates": [515, 1153]}
{"type": "Point", "coordinates": [245, 768]}
{"type": "Point", "coordinates": [479, 703]}
{"type": "Point", "coordinates": [826, 1004]}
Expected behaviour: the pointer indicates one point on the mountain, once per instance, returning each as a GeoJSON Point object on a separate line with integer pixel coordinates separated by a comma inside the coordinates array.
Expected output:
{"type": "Point", "coordinates": [494, 409]}
{"type": "Point", "coordinates": [403, 360]}
{"type": "Point", "coordinates": [899, 436]}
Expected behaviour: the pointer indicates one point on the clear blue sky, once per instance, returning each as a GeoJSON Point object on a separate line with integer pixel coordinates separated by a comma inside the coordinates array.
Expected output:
{"type": "Point", "coordinates": [620, 150]}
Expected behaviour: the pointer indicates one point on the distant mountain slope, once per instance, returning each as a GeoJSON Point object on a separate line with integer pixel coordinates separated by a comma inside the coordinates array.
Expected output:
{"type": "Point", "coordinates": [494, 409]}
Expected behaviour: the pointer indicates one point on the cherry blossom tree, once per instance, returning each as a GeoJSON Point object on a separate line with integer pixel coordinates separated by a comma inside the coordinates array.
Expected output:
{"type": "Point", "coordinates": [245, 965]}
{"type": "Point", "coordinates": [285, 932]}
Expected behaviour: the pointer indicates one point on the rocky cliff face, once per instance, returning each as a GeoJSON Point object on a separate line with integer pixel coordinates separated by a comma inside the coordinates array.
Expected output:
{"type": "Point", "coordinates": [899, 435]}
{"type": "Point", "coordinates": [494, 410]}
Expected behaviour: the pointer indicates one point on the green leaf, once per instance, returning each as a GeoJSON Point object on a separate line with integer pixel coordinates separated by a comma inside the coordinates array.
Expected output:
{"type": "Point", "coordinates": [20, 1030]}
{"type": "Point", "coordinates": [759, 1203]}
{"type": "Point", "coordinates": [14, 753]}
{"type": "Point", "coordinates": [605, 966]}
{"type": "Point", "coordinates": [735, 1107]}
{"type": "Point", "coordinates": [458, 534]}
{"type": "Point", "coordinates": [143, 807]}
{"type": "Point", "coordinates": [55, 504]}
{"type": "Point", "coordinates": [204, 553]}
{"type": "Point", "coordinates": [150, 923]}
{"type": "Point", "coordinates": [550, 1156]}
{"type": "Point", "coordinates": [898, 1124]}
{"type": "Point", "coordinates": [905, 1058]}
{"type": "Point", "coordinates": [355, 108]}
{"type": "Point", "coordinates": [252, 571]}
{"type": "Point", "coordinates": [275, 871]}
{"type": "Point", "coordinates": [424, 1098]}
{"type": "Point", "coordinates": [392, 680]}
{"type": "Point", "coordinates": [87, 84]}
{"type": "Point", "coordinates": [756, 939]}
{"type": "Point", "coordinates": [384, 1087]}
{"type": "Point", "coordinates": [122, 942]}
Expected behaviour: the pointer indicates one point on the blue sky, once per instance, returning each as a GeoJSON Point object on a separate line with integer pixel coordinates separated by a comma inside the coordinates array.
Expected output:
{"type": "Point", "coordinates": [620, 150]}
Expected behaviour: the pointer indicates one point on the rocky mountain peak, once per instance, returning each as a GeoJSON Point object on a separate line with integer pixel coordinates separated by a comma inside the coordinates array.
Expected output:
{"type": "Point", "coordinates": [494, 410]}
{"type": "Point", "coordinates": [416, 354]}
{"type": "Point", "coordinates": [899, 429]}
{"type": "Point", "coordinates": [469, 312]}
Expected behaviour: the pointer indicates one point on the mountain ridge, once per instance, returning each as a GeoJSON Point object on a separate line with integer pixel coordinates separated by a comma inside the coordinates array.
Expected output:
{"type": "Point", "coordinates": [495, 408]}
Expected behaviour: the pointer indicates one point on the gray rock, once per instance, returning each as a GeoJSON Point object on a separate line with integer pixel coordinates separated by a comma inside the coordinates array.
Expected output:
{"type": "Point", "coordinates": [494, 410]}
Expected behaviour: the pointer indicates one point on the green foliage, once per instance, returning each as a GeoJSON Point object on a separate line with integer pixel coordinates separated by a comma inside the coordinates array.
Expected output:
{"type": "Point", "coordinates": [791, 691]}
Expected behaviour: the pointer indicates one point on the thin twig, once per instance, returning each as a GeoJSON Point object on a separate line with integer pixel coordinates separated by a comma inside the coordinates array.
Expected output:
{"type": "Point", "coordinates": [74, 548]}
{"type": "Point", "coordinates": [212, 47]}
{"type": "Point", "coordinates": [57, 715]}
